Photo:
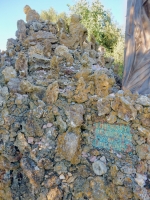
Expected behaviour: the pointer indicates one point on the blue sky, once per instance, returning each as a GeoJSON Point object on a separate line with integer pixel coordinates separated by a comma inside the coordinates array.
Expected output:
{"type": "Point", "coordinates": [12, 10]}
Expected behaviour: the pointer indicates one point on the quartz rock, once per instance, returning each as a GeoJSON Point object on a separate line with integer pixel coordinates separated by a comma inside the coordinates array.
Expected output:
{"type": "Point", "coordinates": [141, 193]}
{"type": "Point", "coordinates": [99, 168]}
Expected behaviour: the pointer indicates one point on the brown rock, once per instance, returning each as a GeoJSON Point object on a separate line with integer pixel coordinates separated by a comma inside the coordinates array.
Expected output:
{"type": "Point", "coordinates": [102, 84]}
{"type": "Point", "coordinates": [124, 109]}
{"type": "Point", "coordinates": [63, 52]}
{"type": "Point", "coordinates": [145, 118]}
{"type": "Point", "coordinates": [21, 143]}
{"type": "Point", "coordinates": [113, 170]}
{"type": "Point", "coordinates": [78, 33]}
{"type": "Point", "coordinates": [103, 106]}
{"type": "Point", "coordinates": [143, 151]}
{"type": "Point", "coordinates": [32, 126]}
{"type": "Point", "coordinates": [54, 194]}
{"type": "Point", "coordinates": [81, 92]}
{"type": "Point", "coordinates": [47, 48]}
{"type": "Point", "coordinates": [52, 93]}
{"type": "Point", "coordinates": [112, 118]}
{"type": "Point", "coordinates": [124, 193]}
{"type": "Point", "coordinates": [68, 147]}
{"type": "Point", "coordinates": [142, 167]}
{"type": "Point", "coordinates": [9, 73]}
{"type": "Point", "coordinates": [45, 163]}
{"type": "Point", "coordinates": [4, 163]}
{"type": "Point", "coordinates": [31, 15]}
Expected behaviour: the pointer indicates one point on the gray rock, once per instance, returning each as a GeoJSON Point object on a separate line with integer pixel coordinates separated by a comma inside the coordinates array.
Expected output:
{"type": "Point", "coordinates": [143, 100]}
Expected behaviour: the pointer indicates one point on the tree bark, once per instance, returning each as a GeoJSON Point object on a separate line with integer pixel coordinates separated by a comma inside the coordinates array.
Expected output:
{"type": "Point", "coordinates": [137, 47]}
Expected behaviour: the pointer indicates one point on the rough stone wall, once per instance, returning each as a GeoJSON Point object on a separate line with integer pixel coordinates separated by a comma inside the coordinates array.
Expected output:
{"type": "Point", "coordinates": [51, 95]}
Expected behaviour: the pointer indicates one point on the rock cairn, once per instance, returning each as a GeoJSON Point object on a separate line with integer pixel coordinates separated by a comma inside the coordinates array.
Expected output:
{"type": "Point", "coordinates": [53, 88]}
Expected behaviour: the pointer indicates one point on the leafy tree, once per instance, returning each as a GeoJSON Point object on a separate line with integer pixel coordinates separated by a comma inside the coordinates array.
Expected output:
{"type": "Point", "coordinates": [53, 16]}
{"type": "Point", "coordinates": [98, 22]}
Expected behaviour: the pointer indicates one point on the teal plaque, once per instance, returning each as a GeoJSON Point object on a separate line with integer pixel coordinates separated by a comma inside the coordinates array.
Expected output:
{"type": "Point", "coordinates": [112, 137]}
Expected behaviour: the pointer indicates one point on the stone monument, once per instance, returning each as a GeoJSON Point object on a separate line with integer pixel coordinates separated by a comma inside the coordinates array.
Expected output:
{"type": "Point", "coordinates": [137, 47]}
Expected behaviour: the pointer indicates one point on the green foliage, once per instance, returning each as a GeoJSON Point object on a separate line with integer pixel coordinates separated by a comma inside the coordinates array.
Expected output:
{"type": "Point", "coordinates": [98, 22]}
{"type": "Point", "coordinates": [53, 16]}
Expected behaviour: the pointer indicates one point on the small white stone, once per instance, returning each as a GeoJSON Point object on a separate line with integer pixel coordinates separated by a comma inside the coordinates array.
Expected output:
{"type": "Point", "coordinates": [62, 177]}
{"type": "Point", "coordinates": [69, 174]}
{"type": "Point", "coordinates": [140, 179]}
{"type": "Point", "coordinates": [99, 168]}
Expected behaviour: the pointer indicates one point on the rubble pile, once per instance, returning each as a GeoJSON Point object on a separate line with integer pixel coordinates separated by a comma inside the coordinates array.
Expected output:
{"type": "Point", "coordinates": [53, 87]}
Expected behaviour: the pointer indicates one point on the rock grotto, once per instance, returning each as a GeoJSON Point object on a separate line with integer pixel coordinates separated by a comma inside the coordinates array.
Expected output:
{"type": "Point", "coordinates": [67, 130]}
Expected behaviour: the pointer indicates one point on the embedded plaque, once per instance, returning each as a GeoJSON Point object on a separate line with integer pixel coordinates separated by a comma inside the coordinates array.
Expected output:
{"type": "Point", "coordinates": [112, 137]}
